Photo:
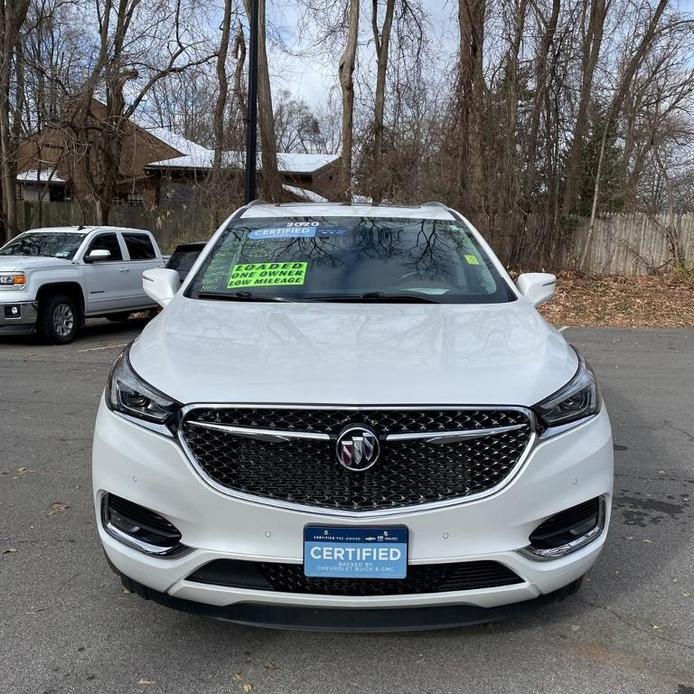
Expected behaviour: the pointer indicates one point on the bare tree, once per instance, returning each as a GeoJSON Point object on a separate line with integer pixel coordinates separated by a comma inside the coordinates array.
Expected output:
{"type": "Point", "coordinates": [12, 16]}
{"type": "Point", "coordinates": [222, 87]}
{"type": "Point", "coordinates": [381, 43]}
{"type": "Point", "coordinates": [271, 185]}
{"type": "Point", "coordinates": [590, 52]}
{"type": "Point", "coordinates": [138, 47]}
{"type": "Point", "coordinates": [633, 64]}
{"type": "Point", "coordinates": [346, 75]}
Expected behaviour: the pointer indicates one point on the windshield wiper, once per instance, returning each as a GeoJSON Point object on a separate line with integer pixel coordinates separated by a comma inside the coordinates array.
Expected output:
{"type": "Point", "coordinates": [238, 296]}
{"type": "Point", "coordinates": [399, 298]}
{"type": "Point", "coordinates": [375, 297]}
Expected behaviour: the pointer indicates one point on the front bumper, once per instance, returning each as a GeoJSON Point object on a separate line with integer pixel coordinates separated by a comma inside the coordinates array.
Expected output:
{"type": "Point", "coordinates": [22, 323]}
{"type": "Point", "coordinates": [151, 470]}
{"type": "Point", "coordinates": [352, 620]}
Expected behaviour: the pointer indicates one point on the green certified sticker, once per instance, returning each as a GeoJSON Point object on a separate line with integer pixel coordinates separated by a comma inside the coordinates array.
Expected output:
{"type": "Point", "coordinates": [267, 275]}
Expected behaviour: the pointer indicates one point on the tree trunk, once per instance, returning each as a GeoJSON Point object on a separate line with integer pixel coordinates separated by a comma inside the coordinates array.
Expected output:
{"type": "Point", "coordinates": [471, 99]}
{"type": "Point", "coordinates": [240, 54]}
{"type": "Point", "coordinates": [12, 16]}
{"type": "Point", "coordinates": [382, 43]}
{"type": "Point", "coordinates": [223, 88]}
{"type": "Point", "coordinates": [346, 72]}
{"type": "Point", "coordinates": [271, 183]}
{"type": "Point", "coordinates": [591, 53]}
{"type": "Point", "coordinates": [541, 79]}
{"type": "Point", "coordinates": [596, 195]}
{"type": "Point", "coordinates": [215, 179]}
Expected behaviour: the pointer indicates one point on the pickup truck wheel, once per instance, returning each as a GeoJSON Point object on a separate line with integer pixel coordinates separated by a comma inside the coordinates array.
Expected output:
{"type": "Point", "coordinates": [58, 320]}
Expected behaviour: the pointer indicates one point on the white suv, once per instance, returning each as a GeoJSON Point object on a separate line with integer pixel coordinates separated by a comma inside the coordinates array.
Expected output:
{"type": "Point", "coordinates": [349, 417]}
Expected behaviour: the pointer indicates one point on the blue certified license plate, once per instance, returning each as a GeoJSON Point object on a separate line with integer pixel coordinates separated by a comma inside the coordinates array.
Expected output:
{"type": "Point", "coordinates": [355, 552]}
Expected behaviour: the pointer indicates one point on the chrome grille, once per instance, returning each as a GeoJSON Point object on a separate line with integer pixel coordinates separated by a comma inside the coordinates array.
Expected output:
{"type": "Point", "coordinates": [288, 453]}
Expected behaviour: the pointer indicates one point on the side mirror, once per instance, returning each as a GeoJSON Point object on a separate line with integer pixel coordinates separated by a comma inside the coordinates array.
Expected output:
{"type": "Point", "coordinates": [161, 284]}
{"type": "Point", "coordinates": [98, 254]}
{"type": "Point", "coordinates": [536, 287]}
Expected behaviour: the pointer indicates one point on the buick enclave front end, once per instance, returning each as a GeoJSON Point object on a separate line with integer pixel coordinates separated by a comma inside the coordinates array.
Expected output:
{"type": "Point", "coordinates": [349, 417]}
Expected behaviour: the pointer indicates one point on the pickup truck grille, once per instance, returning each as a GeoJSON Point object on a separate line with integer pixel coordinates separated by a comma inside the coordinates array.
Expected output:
{"type": "Point", "coordinates": [289, 454]}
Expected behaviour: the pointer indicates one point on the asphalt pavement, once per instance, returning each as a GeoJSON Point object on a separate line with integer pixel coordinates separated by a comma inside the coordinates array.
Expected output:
{"type": "Point", "coordinates": [67, 625]}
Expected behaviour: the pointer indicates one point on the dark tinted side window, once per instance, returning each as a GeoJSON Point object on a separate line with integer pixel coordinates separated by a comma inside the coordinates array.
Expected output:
{"type": "Point", "coordinates": [139, 246]}
{"type": "Point", "coordinates": [106, 242]}
{"type": "Point", "coordinates": [182, 260]}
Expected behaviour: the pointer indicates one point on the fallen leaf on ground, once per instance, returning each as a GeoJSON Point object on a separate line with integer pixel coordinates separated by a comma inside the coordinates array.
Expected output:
{"type": "Point", "coordinates": [661, 301]}
{"type": "Point", "coordinates": [245, 685]}
{"type": "Point", "coordinates": [146, 683]}
{"type": "Point", "coordinates": [57, 507]}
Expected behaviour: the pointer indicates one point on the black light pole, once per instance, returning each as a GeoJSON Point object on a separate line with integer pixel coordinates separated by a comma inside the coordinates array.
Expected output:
{"type": "Point", "coordinates": [251, 135]}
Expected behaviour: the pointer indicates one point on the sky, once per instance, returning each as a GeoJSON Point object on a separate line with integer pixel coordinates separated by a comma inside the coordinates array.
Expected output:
{"type": "Point", "coordinates": [312, 77]}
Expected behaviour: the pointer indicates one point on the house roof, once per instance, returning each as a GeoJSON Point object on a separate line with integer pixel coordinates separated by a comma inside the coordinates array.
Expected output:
{"type": "Point", "coordinates": [195, 156]}
{"type": "Point", "coordinates": [43, 176]}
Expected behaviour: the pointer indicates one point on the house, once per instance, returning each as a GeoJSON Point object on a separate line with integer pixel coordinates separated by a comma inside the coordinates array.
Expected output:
{"type": "Point", "coordinates": [158, 168]}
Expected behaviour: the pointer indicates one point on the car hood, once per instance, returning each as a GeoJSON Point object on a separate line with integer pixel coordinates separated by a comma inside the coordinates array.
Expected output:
{"type": "Point", "coordinates": [353, 353]}
{"type": "Point", "coordinates": [18, 263]}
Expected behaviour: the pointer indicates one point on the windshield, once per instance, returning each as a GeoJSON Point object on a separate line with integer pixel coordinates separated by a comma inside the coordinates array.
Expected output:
{"type": "Point", "coordinates": [349, 259]}
{"type": "Point", "coordinates": [51, 244]}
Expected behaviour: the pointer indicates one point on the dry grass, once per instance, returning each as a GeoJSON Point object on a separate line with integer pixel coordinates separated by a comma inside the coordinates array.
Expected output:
{"type": "Point", "coordinates": [665, 301]}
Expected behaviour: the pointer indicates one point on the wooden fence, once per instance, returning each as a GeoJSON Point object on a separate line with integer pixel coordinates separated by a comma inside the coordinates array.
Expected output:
{"type": "Point", "coordinates": [636, 244]}
{"type": "Point", "coordinates": [169, 225]}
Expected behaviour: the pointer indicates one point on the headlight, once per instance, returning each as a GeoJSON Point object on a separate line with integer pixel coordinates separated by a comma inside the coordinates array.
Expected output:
{"type": "Point", "coordinates": [128, 394]}
{"type": "Point", "coordinates": [13, 280]}
{"type": "Point", "coordinates": [578, 399]}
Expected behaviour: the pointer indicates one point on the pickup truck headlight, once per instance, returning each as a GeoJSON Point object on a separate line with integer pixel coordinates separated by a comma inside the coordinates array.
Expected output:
{"type": "Point", "coordinates": [13, 280]}
{"type": "Point", "coordinates": [128, 394]}
{"type": "Point", "coordinates": [578, 399]}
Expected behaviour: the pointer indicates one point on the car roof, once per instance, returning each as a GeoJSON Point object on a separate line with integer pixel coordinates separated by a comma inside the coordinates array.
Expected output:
{"type": "Point", "coordinates": [337, 209]}
{"type": "Point", "coordinates": [81, 229]}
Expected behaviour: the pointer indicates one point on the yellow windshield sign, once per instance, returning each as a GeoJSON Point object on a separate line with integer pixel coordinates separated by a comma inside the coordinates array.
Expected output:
{"type": "Point", "coordinates": [267, 275]}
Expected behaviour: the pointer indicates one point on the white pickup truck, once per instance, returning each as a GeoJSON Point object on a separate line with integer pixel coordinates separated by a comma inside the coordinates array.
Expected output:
{"type": "Point", "coordinates": [52, 279]}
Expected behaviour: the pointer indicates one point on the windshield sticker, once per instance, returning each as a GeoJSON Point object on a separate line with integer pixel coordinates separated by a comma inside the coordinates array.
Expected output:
{"type": "Point", "coordinates": [471, 259]}
{"type": "Point", "coordinates": [267, 275]}
{"type": "Point", "coordinates": [295, 233]}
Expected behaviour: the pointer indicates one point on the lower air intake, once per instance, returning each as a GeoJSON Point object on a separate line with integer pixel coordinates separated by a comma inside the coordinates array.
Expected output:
{"type": "Point", "coordinates": [421, 578]}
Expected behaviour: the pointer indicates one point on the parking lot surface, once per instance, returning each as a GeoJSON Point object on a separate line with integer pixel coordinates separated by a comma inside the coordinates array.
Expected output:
{"type": "Point", "coordinates": [67, 625]}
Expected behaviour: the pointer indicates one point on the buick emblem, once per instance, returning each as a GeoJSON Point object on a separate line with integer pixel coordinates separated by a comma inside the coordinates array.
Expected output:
{"type": "Point", "coordinates": [357, 448]}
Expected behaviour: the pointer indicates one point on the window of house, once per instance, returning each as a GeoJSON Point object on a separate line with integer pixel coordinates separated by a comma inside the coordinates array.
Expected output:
{"type": "Point", "coordinates": [136, 200]}
{"type": "Point", "coordinates": [139, 246]}
{"type": "Point", "coordinates": [56, 193]}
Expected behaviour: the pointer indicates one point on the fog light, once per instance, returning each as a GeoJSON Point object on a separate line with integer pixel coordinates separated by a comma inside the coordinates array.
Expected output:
{"type": "Point", "coordinates": [567, 531]}
{"type": "Point", "coordinates": [13, 311]}
{"type": "Point", "coordinates": [140, 528]}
